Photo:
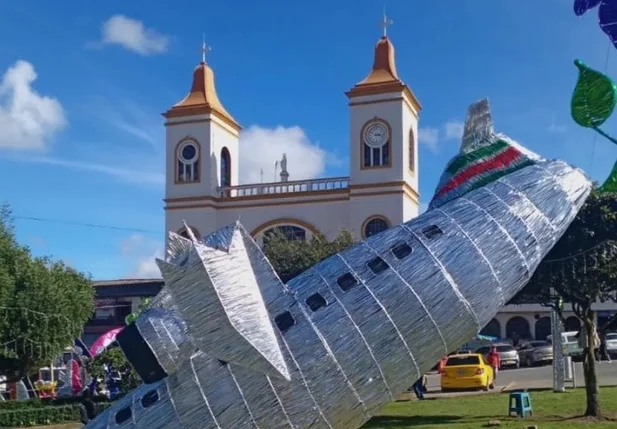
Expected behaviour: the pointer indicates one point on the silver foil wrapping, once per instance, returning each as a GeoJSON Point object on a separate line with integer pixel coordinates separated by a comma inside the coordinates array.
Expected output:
{"type": "Point", "coordinates": [229, 346]}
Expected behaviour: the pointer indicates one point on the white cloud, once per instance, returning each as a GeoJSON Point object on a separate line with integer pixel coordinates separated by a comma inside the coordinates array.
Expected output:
{"type": "Point", "coordinates": [454, 130]}
{"type": "Point", "coordinates": [130, 175]}
{"type": "Point", "coordinates": [143, 251]}
{"type": "Point", "coordinates": [133, 35]}
{"type": "Point", "coordinates": [27, 119]}
{"type": "Point", "coordinates": [261, 147]}
{"type": "Point", "coordinates": [429, 137]}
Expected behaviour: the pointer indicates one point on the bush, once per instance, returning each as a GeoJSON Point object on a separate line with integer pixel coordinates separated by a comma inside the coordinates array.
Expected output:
{"type": "Point", "coordinates": [20, 405]}
{"type": "Point", "coordinates": [32, 416]}
{"type": "Point", "coordinates": [40, 403]}
{"type": "Point", "coordinates": [35, 412]}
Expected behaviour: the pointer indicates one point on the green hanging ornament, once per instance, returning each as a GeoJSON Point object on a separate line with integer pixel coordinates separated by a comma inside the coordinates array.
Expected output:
{"type": "Point", "coordinates": [594, 99]}
{"type": "Point", "coordinates": [610, 185]}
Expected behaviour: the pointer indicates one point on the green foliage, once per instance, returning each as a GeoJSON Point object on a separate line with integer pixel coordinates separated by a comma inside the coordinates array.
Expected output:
{"type": "Point", "coordinates": [113, 356]}
{"type": "Point", "coordinates": [144, 304]}
{"type": "Point", "coordinates": [44, 305]}
{"type": "Point", "coordinates": [291, 257]}
{"type": "Point", "coordinates": [34, 412]}
{"type": "Point", "coordinates": [47, 402]}
{"type": "Point", "coordinates": [34, 416]}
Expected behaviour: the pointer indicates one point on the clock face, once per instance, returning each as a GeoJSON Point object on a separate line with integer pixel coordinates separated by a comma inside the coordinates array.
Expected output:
{"type": "Point", "coordinates": [376, 135]}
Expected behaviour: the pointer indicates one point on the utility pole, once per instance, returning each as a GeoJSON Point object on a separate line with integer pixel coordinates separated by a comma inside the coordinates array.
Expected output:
{"type": "Point", "coordinates": [558, 361]}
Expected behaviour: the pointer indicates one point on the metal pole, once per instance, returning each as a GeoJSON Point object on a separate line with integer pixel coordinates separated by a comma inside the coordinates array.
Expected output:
{"type": "Point", "coordinates": [573, 373]}
{"type": "Point", "coordinates": [558, 361]}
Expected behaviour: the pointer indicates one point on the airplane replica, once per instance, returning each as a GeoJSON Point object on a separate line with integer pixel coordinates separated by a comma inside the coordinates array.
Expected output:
{"type": "Point", "coordinates": [227, 345]}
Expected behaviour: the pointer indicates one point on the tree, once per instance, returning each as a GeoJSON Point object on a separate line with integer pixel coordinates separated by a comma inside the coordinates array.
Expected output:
{"type": "Point", "coordinates": [144, 304]}
{"type": "Point", "coordinates": [581, 270]}
{"type": "Point", "coordinates": [44, 305]}
{"type": "Point", "coordinates": [291, 257]}
{"type": "Point", "coordinates": [114, 357]}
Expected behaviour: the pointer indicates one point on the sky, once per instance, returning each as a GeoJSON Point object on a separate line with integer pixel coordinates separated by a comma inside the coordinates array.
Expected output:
{"type": "Point", "coordinates": [82, 89]}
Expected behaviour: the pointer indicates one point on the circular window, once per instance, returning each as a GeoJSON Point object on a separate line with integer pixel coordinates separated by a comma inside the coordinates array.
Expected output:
{"type": "Point", "coordinates": [188, 153]}
{"type": "Point", "coordinates": [375, 226]}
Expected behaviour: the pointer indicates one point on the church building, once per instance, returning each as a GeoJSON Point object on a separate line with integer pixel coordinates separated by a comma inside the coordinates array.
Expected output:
{"type": "Point", "coordinates": [202, 163]}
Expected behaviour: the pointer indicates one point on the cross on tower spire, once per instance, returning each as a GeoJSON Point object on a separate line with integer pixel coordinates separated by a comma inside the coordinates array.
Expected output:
{"type": "Point", "coordinates": [385, 22]}
{"type": "Point", "coordinates": [204, 49]}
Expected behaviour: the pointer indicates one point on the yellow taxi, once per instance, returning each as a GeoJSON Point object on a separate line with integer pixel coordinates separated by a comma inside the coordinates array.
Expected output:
{"type": "Point", "coordinates": [467, 371]}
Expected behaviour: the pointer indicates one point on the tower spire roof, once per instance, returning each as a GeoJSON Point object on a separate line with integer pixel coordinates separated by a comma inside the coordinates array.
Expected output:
{"type": "Point", "coordinates": [202, 98]}
{"type": "Point", "coordinates": [383, 77]}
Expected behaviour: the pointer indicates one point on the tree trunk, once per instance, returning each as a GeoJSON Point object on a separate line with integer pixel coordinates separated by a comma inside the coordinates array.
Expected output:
{"type": "Point", "coordinates": [589, 371]}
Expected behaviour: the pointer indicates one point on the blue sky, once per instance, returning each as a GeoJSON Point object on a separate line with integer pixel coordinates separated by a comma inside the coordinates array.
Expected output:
{"type": "Point", "coordinates": [84, 142]}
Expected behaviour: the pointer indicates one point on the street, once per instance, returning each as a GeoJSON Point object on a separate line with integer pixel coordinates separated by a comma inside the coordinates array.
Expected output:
{"type": "Point", "coordinates": [534, 378]}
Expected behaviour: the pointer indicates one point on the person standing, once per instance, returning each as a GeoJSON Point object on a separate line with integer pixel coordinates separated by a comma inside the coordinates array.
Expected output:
{"type": "Point", "coordinates": [419, 387]}
{"type": "Point", "coordinates": [441, 364]}
{"type": "Point", "coordinates": [584, 345]}
{"type": "Point", "coordinates": [604, 355]}
{"type": "Point", "coordinates": [495, 361]}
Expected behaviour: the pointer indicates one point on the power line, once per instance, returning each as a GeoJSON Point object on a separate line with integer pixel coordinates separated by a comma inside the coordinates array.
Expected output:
{"type": "Point", "coordinates": [584, 252]}
{"type": "Point", "coordinates": [84, 224]}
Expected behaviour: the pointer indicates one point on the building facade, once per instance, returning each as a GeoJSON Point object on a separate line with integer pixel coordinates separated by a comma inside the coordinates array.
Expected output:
{"type": "Point", "coordinates": [114, 300]}
{"type": "Point", "coordinates": [202, 143]}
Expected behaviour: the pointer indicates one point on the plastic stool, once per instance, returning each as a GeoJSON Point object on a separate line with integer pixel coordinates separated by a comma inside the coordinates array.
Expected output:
{"type": "Point", "coordinates": [520, 403]}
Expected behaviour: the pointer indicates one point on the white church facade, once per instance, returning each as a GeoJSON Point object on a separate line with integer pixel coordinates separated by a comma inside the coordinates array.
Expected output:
{"type": "Point", "coordinates": [202, 163]}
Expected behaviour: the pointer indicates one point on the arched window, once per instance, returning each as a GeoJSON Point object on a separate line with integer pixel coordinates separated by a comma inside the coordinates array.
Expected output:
{"type": "Point", "coordinates": [374, 225]}
{"type": "Point", "coordinates": [573, 323]}
{"type": "Point", "coordinates": [292, 232]}
{"type": "Point", "coordinates": [412, 151]}
{"type": "Point", "coordinates": [492, 329]}
{"type": "Point", "coordinates": [187, 162]}
{"type": "Point", "coordinates": [376, 144]}
{"type": "Point", "coordinates": [543, 328]}
{"type": "Point", "coordinates": [225, 168]}
{"type": "Point", "coordinates": [518, 327]}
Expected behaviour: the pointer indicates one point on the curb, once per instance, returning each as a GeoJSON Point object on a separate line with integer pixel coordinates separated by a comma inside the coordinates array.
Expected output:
{"type": "Point", "coordinates": [545, 389]}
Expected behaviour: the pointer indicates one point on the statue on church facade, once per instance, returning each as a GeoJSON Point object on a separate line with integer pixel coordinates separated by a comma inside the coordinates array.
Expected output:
{"type": "Point", "coordinates": [284, 172]}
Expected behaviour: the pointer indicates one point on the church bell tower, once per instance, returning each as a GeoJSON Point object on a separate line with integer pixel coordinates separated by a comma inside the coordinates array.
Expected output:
{"type": "Point", "coordinates": [202, 152]}
{"type": "Point", "coordinates": [383, 143]}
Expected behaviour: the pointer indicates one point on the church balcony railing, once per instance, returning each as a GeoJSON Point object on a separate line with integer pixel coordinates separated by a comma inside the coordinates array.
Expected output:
{"type": "Point", "coordinates": [276, 188]}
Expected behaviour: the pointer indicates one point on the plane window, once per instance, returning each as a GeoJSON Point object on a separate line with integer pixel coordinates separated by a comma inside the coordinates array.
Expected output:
{"type": "Point", "coordinates": [284, 321]}
{"type": "Point", "coordinates": [123, 415]}
{"type": "Point", "coordinates": [377, 265]}
{"type": "Point", "coordinates": [401, 251]}
{"type": "Point", "coordinates": [347, 281]}
{"type": "Point", "coordinates": [316, 301]}
{"type": "Point", "coordinates": [432, 231]}
{"type": "Point", "coordinates": [150, 398]}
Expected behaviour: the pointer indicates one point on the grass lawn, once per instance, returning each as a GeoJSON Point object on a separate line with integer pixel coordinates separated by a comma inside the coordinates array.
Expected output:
{"type": "Point", "coordinates": [551, 411]}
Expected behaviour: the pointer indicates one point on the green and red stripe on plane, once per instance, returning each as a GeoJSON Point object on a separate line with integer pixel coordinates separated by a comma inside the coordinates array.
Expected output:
{"type": "Point", "coordinates": [480, 167]}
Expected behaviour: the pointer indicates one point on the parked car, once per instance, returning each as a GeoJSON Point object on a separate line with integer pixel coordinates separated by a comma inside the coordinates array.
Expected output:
{"type": "Point", "coordinates": [467, 371]}
{"type": "Point", "coordinates": [569, 341]}
{"type": "Point", "coordinates": [532, 353]}
{"type": "Point", "coordinates": [508, 355]}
